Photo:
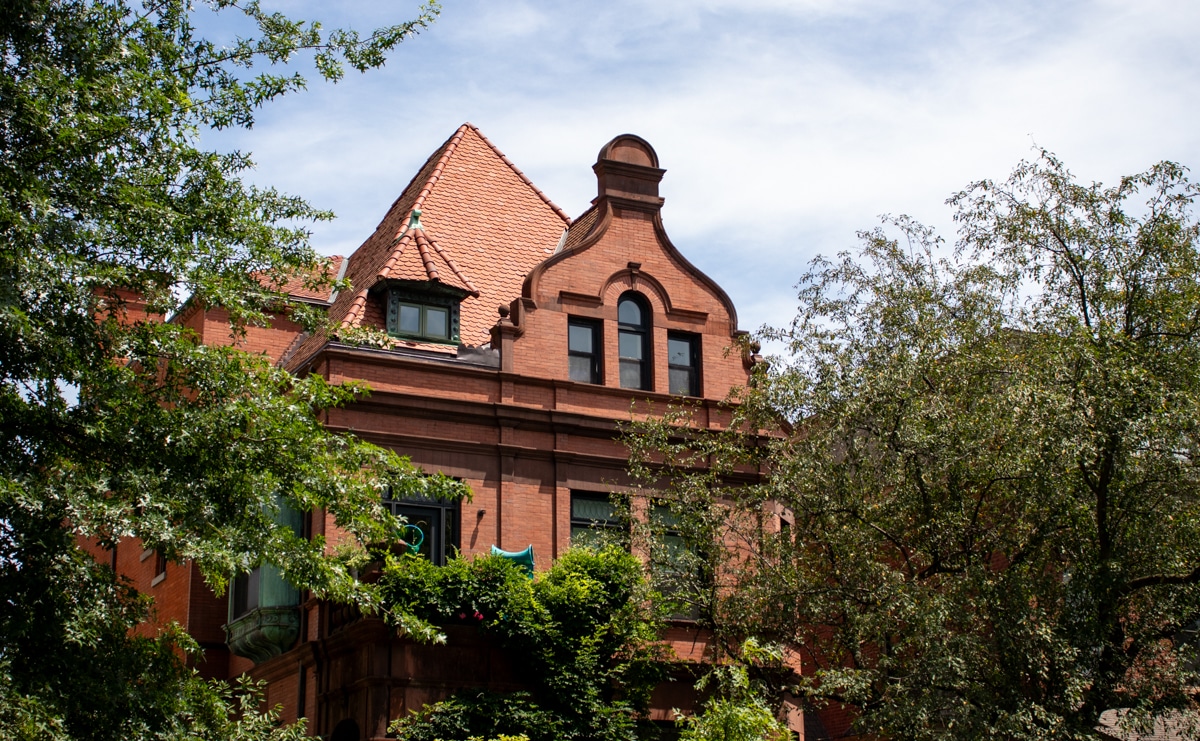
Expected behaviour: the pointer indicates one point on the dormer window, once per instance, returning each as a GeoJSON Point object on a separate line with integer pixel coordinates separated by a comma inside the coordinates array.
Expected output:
{"type": "Point", "coordinates": [420, 320]}
{"type": "Point", "coordinates": [423, 315]}
{"type": "Point", "coordinates": [633, 341]}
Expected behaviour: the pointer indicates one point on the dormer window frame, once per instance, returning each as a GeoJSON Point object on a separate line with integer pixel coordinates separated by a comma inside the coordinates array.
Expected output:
{"type": "Point", "coordinates": [423, 297]}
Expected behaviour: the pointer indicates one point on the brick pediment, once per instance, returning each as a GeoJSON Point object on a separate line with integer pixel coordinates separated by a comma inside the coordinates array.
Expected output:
{"type": "Point", "coordinates": [622, 238]}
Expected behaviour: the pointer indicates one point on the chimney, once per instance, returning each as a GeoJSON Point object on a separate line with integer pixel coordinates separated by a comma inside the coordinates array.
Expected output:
{"type": "Point", "coordinates": [627, 174]}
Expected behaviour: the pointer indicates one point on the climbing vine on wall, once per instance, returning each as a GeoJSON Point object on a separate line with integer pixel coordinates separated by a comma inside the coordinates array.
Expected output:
{"type": "Point", "coordinates": [583, 635]}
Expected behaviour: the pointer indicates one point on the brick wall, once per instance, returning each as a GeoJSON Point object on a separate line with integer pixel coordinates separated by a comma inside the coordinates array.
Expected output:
{"type": "Point", "coordinates": [212, 326]}
{"type": "Point", "coordinates": [628, 250]}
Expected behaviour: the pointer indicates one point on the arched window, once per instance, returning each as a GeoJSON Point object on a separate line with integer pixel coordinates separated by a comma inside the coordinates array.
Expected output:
{"type": "Point", "coordinates": [347, 730]}
{"type": "Point", "coordinates": [633, 341]}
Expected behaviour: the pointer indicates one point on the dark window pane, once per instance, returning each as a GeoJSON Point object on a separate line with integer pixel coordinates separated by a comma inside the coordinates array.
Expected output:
{"type": "Point", "coordinates": [679, 352]}
{"type": "Point", "coordinates": [437, 322]}
{"type": "Point", "coordinates": [580, 338]}
{"type": "Point", "coordinates": [682, 361]}
{"type": "Point", "coordinates": [628, 312]}
{"type": "Point", "coordinates": [672, 567]}
{"type": "Point", "coordinates": [410, 319]}
{"type": "Point", "coordinates": [631, 345]}
{"type": "Point", "coordinates": [581, 368]}
{"type": "Point", "coordinates": [676, 555]}
{"type": "Point", "coordinates": [437, 521]}
{"type": "Point", "coordinates": [664, 517]}
{"type": "Point", "coordinates": [631, 374]}
{"type": "Point", "coordinates": [681, 381]}
{"type": "Point", "coordinates": [600, 510]}
{"type": "Point", "coordinates": [594, 520]}
{"type": "Point", "coordinates": [428, 537]}
{"type": "Point", "coordinates": [245, 592]}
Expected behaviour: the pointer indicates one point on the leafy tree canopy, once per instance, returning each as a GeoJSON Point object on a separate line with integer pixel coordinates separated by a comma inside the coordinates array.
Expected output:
{"type": "Point", "coordinates": [111, 428]}
{"type": "Point", "coordinates": [989, 469]}
{"type": "Point", "coordinates": [737, 710]}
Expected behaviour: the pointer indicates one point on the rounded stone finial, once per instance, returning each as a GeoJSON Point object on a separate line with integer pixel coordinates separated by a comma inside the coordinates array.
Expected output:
{"type": "Point", "coordinates": [630, 149]}
{"type": "Point", "coordinates": [503, 311]}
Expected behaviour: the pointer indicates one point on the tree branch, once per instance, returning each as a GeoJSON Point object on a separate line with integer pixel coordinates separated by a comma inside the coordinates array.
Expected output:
{"type": "Point", "coordinates": [1160, 580]}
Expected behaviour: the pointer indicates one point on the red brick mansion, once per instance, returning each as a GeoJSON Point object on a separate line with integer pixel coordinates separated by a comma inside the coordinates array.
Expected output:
{"type": "Point", "coordinates": [519, 338]}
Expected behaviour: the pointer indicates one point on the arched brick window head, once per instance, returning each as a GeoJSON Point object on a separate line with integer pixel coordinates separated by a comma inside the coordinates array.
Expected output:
{"type": "Point", "coordinates": [347, 730]}
{"type": "Point", "coordinates": [633, 340]}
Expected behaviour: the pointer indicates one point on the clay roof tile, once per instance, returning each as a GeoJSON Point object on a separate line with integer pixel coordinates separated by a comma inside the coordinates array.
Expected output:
{"type": "Point", "coordinates": [581, 229]}
{"type": "Point", "coordinates": [356, 309]}
{"type": "Point", "coordinates": [469, 219]}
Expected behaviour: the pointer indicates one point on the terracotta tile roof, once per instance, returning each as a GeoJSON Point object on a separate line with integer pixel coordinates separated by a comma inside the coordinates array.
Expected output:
{"type": "Point", "coordinates": [1174, 726]}
{"type": "Point", "coordinates": [470, 220]}
{"type": "Point", "coordinates": [354, 314]}
{"type": "Point", "coordinates": [581, 228]}
{"type": "Point", "coordinates": [290, 352]}
{"type": "Point", "coordinates": [297, 289]}
{"type": "Point", "coordinates": [419, 258]}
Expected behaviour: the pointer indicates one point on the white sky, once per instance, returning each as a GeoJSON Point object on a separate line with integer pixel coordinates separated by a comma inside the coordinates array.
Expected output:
{"type": "Point", "coordinates": [785, 127]}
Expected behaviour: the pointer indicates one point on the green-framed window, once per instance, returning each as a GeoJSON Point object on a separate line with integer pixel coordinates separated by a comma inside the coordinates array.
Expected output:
{"type": "Point", "coordinates": [418, 316]}
{"type": "Point", "coordinates": [419, 320]}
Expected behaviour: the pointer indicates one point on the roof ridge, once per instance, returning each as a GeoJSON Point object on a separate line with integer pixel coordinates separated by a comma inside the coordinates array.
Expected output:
{"type": "Point", "coordinates": [398, 244]}
{"type": "Point", "coordinates": [408, 226]}
{"type": "Point", "coordinates": [437, 153]}
{"type": "Point", "coordinates": [423, 250]}
{"type": "Point", "coordinates": [447, 150]}
{"type": "Point", "coordinates": [441, 154]}
{"type": "Point", "coordinates": [415, 233]}
{"type": "Point", "coordinates": [292, 347]}
{"type": "Point", "coordinates": [354, 314]}
{"type": "Point", "coordinates": [524, 178]}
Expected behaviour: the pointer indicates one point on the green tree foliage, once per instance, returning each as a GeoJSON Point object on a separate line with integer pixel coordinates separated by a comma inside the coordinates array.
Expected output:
{"type": "Point", "coordinates": [987, 456]}
{"type": "Point", "coordinates": [739, 709]}
{"type": "Point", "coordinates": [111, 429]}
{"type": "Point", "coordinates": [582, 637]}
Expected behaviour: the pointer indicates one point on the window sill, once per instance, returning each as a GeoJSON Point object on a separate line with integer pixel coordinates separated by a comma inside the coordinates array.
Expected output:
{"type": "Point", "coordinates": [418, 340]}
{"type": "Point", "coordinates": [158, 579]}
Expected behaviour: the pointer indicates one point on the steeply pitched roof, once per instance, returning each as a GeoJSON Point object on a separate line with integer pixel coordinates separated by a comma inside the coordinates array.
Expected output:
{"type": "Point", "coordinates": [469, 220]}
{"type": "Point", "coordinates": [581, 228]}
{"type": "Point", "coordinates": [1174, 726]}
{"type": "Point", "coordinates": [297, 289]}
{"type": "Point", "coordinates": [417, 257]}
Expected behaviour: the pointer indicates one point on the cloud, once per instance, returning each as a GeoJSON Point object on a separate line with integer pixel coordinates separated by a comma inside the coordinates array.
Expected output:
{"type": "Point", "coordinates": [784, 126]}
